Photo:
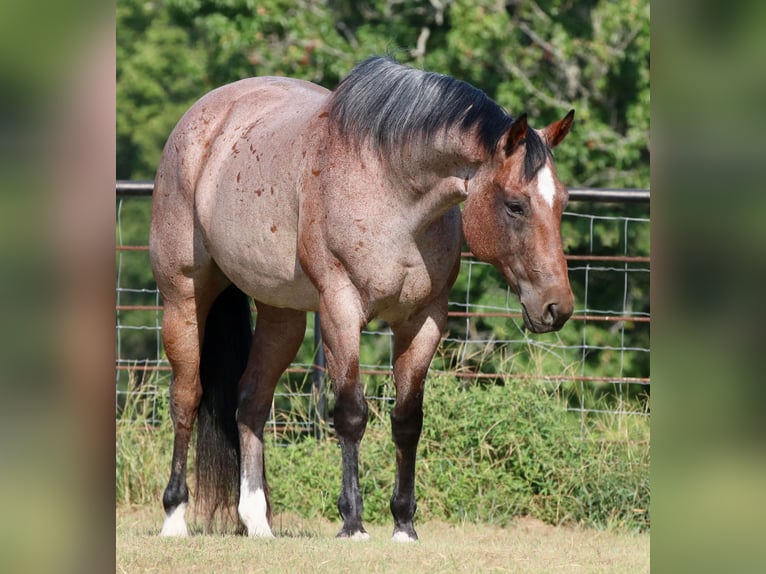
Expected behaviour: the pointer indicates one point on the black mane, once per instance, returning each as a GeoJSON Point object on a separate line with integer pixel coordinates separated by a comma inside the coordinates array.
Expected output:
{"type": "Point", "coordinates": [388, 105]}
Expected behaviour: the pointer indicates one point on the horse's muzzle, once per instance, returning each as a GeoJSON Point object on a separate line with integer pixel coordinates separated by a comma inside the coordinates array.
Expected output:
{"type": "Point", "coordinates": [551, 315]}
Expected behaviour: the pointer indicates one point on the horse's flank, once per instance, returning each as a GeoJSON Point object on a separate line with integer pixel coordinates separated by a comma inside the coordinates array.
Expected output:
{"type": "Point", "coordinates": [247, 213]}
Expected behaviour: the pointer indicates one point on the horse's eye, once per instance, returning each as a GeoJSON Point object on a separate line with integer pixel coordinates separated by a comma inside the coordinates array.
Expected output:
{"type": "Point", "coordinates": [514, 208]}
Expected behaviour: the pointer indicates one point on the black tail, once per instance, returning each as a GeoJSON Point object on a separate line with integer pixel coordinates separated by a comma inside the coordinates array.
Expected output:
{"type": "Point", "coordinates": [225, 348]}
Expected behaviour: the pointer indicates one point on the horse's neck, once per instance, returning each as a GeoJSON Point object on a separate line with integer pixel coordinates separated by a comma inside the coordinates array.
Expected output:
{"type": "Point", "coordinates": [437, 176]}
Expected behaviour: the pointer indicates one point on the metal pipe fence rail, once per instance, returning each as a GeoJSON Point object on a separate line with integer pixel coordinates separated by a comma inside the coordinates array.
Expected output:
{"type": "Point", "coordinates": [599, 362]}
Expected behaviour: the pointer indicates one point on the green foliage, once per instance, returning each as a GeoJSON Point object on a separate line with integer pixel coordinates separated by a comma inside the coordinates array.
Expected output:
{"type": "Point", "coordinates": [143, 449]}
{"type": "Point", "coordinates": [542, 57]}
{"type": "Point", "coordinates": [487, 453]}
{"type": "Point", "coordinates": [159, 74]}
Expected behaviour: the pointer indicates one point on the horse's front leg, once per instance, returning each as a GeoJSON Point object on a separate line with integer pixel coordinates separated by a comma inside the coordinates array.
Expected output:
{"type": "Point", "coordinates": [341, 327]}
{"type": "Point", "coordinates": [415, 343]}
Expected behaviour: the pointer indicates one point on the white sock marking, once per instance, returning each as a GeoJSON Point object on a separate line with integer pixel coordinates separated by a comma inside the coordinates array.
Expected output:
{"type": "Point", "coordinates": [359, 536]}
{"type": "Point", "coordinates": [175, 524]}
{"type": "Point", "coordinates": [402, 537]}
{"type": "Point", "coordinates": [252, 510]}
{"type": "Point", "coordinates": [545, 186]}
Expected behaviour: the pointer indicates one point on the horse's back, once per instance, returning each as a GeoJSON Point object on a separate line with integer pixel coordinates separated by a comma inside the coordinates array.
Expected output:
{"type": "Point", "coordinates": [224, 109]}
{"type": "Point", "coordinates": [230, 174]}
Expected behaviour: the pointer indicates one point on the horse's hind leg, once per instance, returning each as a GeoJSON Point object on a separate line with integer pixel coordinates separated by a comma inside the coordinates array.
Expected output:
{"type": "Point", "coordinates": [415, 342]}
{"type": "Point", "coordinates": [182, 346]}
{"type": "Point", "coordinates": [188, 294]}
{"type": "Point", "coordinates": [182, 328]}
{"type": "Point", "coordinates": [278, 335]}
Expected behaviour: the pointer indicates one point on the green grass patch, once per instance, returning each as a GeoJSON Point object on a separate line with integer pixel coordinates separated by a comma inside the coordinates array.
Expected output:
{"type": "Point", "coordinates": [488, 453]}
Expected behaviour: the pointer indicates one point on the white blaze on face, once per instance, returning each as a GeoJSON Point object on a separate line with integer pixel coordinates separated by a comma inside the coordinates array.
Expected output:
{"type": "Point", "coordinates": [545, 185]}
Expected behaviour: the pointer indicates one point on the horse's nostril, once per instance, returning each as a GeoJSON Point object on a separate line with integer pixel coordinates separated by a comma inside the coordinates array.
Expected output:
{"type": "Point", "coordinates": [551, 313]}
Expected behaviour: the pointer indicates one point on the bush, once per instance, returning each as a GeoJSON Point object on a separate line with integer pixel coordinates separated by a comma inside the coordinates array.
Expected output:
{"type": "Point", "coordinates": [143, 449]}
{"type": "Point", "coordinates": [487, 453]}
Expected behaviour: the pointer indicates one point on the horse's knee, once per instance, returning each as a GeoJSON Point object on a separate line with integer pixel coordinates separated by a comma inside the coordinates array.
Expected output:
{"type": "Point", "coordinates": [350, 415]}
{"type": "Point", "coordinates": [251, 416]}
{"type": "Point", "coordinates": [185, 397]}
{"type": "Point", "coordinates": [252, 406]}
{"type": "Point", "coordinates": [406, 426]}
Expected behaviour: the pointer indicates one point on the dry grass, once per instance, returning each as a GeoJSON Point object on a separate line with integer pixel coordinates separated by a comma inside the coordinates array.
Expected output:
{"type": "Point", "coordinates": [308, 545]}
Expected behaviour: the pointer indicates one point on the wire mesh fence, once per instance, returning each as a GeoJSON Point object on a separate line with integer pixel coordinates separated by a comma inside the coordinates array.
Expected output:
{"type": "Point", "coordinates": [598, 363]}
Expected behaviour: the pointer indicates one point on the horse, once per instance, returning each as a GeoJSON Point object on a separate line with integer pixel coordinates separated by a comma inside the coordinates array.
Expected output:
{"type": "Point", "coordinates": [345, 202]}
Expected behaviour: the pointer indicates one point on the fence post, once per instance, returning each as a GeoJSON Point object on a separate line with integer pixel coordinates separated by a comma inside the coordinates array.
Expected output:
{"type": "Point", "coordinates": [318, 369]}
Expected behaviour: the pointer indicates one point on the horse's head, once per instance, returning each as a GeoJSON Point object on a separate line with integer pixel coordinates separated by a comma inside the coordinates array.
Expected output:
{"type": "Point", "coordinates": [512, 219]}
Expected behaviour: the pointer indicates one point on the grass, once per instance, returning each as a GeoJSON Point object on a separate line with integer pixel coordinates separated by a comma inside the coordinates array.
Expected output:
{"type": "Point", "coordinates": [508, 481]}
{"type": "Point", "coordinates": [489, 453]}
{"type": "Point", "coordinates": [308, 545]}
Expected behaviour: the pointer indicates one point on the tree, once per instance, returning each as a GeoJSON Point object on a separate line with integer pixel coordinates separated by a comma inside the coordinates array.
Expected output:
{"type": "Point", "coordinates": [542, 57]}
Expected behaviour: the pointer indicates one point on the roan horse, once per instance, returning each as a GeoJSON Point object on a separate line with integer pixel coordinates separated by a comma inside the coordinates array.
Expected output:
{"type": "Point", "coordinates": [346, 203]}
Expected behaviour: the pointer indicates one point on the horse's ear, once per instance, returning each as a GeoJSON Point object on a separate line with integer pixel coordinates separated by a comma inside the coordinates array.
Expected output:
{"type": "Point", "coordinates": [515, 134]}
{"type": "Point", "coordinates": [555, 133]}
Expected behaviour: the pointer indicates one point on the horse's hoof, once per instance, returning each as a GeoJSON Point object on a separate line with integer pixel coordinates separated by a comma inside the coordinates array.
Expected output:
{"type": "Point", "coordinates": [176, 531]}
{"type": "Point", "coordinates": [253, 510]}
{"type": "Point", "coordinates": [175, 524]}
{"type": "Point", "coordinates": [357, 535]}
{"type": "Point", "coordinates": [265, 534]}
{"type": "Point", "coordinates": [402, 536]}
